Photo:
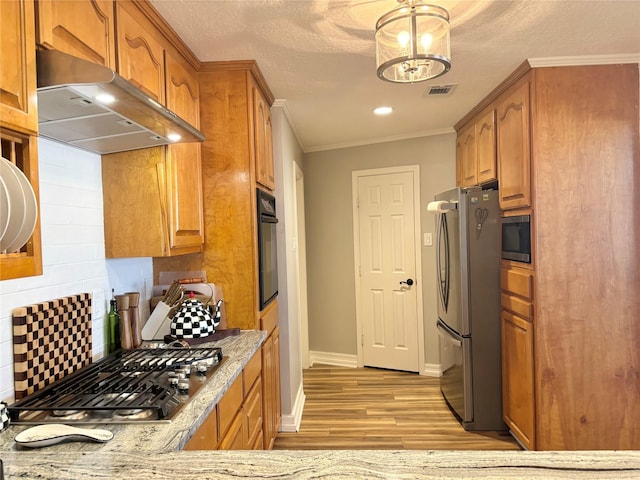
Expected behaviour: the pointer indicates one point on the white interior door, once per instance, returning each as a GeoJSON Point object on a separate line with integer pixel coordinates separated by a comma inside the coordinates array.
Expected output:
{"type": "Point", "coordinates": [387, 269]}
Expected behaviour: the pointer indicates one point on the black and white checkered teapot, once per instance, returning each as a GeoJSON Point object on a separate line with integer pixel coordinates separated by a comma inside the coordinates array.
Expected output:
{"type": "Point", "coordinates": [194, 320]}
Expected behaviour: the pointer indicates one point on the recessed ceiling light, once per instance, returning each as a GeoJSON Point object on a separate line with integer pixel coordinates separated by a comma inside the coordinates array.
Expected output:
{"type": "Point", "coordinates": [383, 110]}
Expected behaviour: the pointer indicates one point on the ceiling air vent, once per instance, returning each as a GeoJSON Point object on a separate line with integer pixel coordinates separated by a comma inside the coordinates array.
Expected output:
{"type": "Point", "coordinates": [441, 90]}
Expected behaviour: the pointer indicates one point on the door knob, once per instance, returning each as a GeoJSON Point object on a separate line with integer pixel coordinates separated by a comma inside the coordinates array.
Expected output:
{"type": "Point", "coordinates": [408, 282]}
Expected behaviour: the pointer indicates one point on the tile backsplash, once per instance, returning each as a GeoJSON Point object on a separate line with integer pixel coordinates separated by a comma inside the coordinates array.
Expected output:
{"type": "Point", "coordinates": [72, 250]}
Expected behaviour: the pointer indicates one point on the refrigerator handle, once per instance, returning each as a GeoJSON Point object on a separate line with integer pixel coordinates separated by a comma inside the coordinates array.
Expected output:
{"type": "Point", "coordinates": [442, 241]}
{"type": "Point", "coordinates": [446, 336]}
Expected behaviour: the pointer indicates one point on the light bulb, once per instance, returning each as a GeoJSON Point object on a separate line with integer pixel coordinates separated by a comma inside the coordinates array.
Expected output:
{"type": "Point", "coordinates": [174, 137]}
{"type": "Point", "coordinates": [426, 40]}
{"type": "Point", "coordinates": [403, 38]}
{"type": "Point", "coordinates": [105, 98]}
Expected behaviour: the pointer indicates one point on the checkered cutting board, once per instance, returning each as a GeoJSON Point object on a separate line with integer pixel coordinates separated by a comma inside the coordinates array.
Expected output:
{"type": "Point", "coordinates": [50, 340]}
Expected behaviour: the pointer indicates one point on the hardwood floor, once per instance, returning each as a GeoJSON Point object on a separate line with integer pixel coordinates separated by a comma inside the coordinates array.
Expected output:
{"type": "Point", "coordinates": [370, 408]}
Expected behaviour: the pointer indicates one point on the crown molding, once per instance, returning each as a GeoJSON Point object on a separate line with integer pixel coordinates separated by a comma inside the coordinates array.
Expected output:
{"type": "Point", "coordinates": [584, 60]}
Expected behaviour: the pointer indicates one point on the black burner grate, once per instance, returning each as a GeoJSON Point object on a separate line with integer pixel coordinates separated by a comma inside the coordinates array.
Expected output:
{"type": "Point", "coordinates": [127, 386]}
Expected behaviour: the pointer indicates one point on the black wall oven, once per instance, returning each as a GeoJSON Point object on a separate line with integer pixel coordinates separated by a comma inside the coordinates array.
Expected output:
{"type": "Point", "coordinates": [267, 248]}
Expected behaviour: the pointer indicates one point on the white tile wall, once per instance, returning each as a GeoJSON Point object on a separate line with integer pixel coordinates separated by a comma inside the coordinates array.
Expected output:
{"type": "Point", "coordinates": [72, 250]}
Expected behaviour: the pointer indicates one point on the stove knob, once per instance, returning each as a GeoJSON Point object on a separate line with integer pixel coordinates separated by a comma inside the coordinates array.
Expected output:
{"type": "Point", "coordinates": [183, 386]}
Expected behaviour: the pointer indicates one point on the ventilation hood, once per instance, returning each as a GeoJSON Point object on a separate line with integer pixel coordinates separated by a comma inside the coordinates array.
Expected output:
{"type": "Point", "coordinates": [92, 107]}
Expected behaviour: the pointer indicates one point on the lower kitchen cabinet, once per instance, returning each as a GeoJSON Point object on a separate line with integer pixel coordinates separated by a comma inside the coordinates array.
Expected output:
{"type": "Point", "coordinates": [517, 378]}
{"type": "Point", "coordinates": [271, 398]}
{"type": "Point", "coordinates": [237, 421]}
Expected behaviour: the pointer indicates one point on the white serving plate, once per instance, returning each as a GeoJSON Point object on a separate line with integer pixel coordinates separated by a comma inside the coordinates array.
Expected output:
{"type": "Point", "coordinates": [5, 209]}
{"type": "Point", "coordinates": [16, 200]}
{"type": "Point", "coordinates": [52, 433]}
{"type": "Point", "coordinates": [29, 209]}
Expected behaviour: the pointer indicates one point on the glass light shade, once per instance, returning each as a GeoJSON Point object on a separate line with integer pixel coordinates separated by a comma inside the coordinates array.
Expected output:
{"type": "Point", "coordinates": [412, 43]}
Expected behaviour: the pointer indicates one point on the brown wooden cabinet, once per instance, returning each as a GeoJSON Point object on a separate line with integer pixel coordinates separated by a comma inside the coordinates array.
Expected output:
{"type": "Point", "coordinates": [271, 398]}
{"type": "Point", "coordinates": [237, 421]}
{"type": "Point", "coordinates": [263, 139]}
{"type": "Point", "coordinates": [518, 401]}
{"type": "Point", "coordinates": [184, 174]}
{"type": "Point", "coordinates": [19, 120]}
{"type": "Point", "coordinates": [140, 51]}
{"type": "Point", "coordinates": [514, 146]}
{"type": "Point", "coordinates": [230, 256]}
{"type": "Point", "coordinates": [18, 109]}
{"type": "Point", "coordinates": [568, 355]}
{"type": "Point", "coordinates": [466, 147]}
{"type": "Point", "coordinates": [518, 378]}
{"type": "Point", "coordinates": [142, 194]}
{"type": "Point", "coordinates": [80, 28]}
{"type": "Point", "coordinates": [476, 151]}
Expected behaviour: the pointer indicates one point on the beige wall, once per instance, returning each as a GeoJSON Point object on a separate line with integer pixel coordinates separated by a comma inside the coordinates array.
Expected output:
{"type": "Point", "coordinates": [329, 229]}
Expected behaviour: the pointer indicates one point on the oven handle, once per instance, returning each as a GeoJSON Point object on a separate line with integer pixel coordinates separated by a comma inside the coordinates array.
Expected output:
{"type": "Point", "coordinates": [446, 336]}
{"type": "Point", "coordinates": [268, 219]}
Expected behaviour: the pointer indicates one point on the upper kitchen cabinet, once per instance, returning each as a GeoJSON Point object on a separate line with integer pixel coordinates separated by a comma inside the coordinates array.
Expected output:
{"type": "Point", "coordinates": [466, 150]}
{"type": "Point", "coordinates": [514, 146]}
{"type": "Point", "coordinates": [140, 51]}
{"type": "Point", "coordinates": [263, 139]}
{"type": "Point", "coordinates": [152, 203]}
{"type": "Point", "coordinates": [18, 109]}
{"type": "Point", "coordinates": [19, 123]}
{"type": "Point", "coordinates": [476, 151]}
{"type": "Point", "coordinates": [80, 28]}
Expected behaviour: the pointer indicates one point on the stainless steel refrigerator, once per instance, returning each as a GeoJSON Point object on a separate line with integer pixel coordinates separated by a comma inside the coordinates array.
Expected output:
{"type": "Point", "coordinates": [468, 283]}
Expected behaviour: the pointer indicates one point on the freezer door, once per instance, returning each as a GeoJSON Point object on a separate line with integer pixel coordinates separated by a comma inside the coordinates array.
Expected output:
{"type": "Point", "coordinates": [455, 382]}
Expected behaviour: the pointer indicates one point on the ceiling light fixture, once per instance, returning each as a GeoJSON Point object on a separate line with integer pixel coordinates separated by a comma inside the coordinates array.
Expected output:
{"type": "Point", "coordinates": [412, 43]}
{"type": "Point", "coordinates": [383, 110]}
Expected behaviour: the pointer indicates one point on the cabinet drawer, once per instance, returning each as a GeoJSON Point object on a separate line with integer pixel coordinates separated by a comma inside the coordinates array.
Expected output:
{"type": "Point", "coordinates": [229, 405]}
{"type": "Point", "coordinates": [517, 282]}
{"type": "Point", "coordinates": [516, 305]}
{"type": "Point", "coordinates": [269, 317]}
{"type": "Point", "coordinates": [252, 370]}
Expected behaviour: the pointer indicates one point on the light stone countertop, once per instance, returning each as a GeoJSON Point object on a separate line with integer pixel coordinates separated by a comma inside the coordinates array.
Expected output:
{"type": "Point", "coordinates": [151, 451]}
{"type": "Point", "coordinates": [335, 465]}
{"type": "Point", "coordinates": [163, 437]}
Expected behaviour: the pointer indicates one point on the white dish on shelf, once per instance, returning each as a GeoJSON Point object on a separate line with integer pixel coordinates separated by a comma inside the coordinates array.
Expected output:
{"type": "Point", "coordinates": [25, 207]}
{"type": "Point", "coordinates": [50, 434]}
{"type": "Point", "coordinates": [5, 209]}
{"type": "Point", "coordinates": [16, 200]}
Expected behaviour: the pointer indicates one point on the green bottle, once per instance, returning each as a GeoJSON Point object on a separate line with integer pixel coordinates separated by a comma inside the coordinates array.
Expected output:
{"type": "Point", "coordinates": [114, 326]}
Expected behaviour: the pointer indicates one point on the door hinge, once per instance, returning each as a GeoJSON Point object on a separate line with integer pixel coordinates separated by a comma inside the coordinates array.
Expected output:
{"type": "Point", "coordinates": [362, 339]}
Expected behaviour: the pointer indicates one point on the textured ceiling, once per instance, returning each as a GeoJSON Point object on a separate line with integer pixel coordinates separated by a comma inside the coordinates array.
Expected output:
{"type": "Point", "coordinates": [318, 56]}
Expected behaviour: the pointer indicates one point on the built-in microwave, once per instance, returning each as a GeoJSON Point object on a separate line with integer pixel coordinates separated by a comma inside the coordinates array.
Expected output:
{"type": "Point", "coordinates": [516, 238]}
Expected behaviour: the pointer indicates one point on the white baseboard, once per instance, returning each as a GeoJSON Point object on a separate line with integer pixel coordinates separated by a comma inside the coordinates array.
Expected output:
{"type": "Point", "coordinates": [291, 423]}
{"type": "Point", "coordinates": [432, 370]}
{"type": "Point", "coordinates": [337, 359]}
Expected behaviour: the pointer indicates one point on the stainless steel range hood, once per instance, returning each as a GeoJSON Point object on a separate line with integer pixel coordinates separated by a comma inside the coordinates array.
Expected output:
{"type": "Point", "coordinates": [92, 107]}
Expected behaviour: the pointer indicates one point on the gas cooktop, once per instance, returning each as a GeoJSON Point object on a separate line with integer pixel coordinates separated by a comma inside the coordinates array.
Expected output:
{"type": "Point", "coordinates": [128, 386]}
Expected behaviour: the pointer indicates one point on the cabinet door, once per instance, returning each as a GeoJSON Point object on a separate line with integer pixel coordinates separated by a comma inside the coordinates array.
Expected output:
{"type": "Point", "coordinates": [234, 438]}
{"type": "Point", "coordinates": [514, 141]}
{"type": "Point", "coordinates": [206, 437]}
{"type": "Point", "coordinates": [184, 192]}
{"type": "Point", "coordinates": [263, 141]}
{"type": "Point", "coordinates": [140, 53]}
{"type": "Point", "coordinates": [80, 28]}
{"type": "Point", "coordinates": [252, 411]}
{"type": "Point", "coordinates": [485, 129]}
{"type": "Point", "coordinates": [467, 147]}
{"type": "Point", "coordinates": [183, 95]}
{"type": "Point", "coordinates": [517, 378]}
{"type": "Point", "coordinates": [18, 66]}
{"type": "Point", "coordinates": [267, 392]}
